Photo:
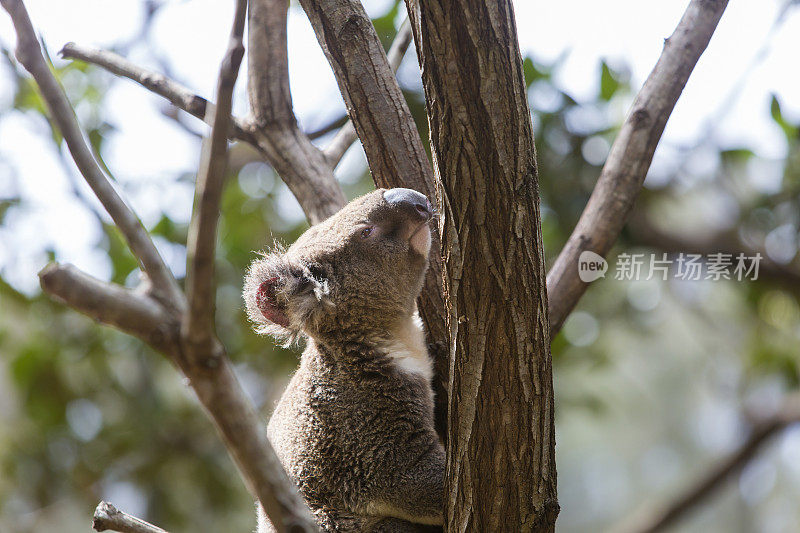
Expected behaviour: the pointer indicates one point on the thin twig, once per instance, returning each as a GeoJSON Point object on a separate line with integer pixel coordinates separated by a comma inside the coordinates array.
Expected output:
{"type": "Point", "coordinates": [656, 518]}
{"type": "Point", "coordinates": [626, 167]}
{"type": "Point", "coordinates": [340, 143]}
{"type": "Point", "coordinates": [107, 517]}
{"type": "Point", "coordinates": [198, 323]}
{"type": "Point", "coordinates": [346, 136]}
{"type": "Point", "coordinates": [178, 95]}
{"type": "Point", "coordinates": [29, 53]}
{"type": "Point", "coordinates": [329, 127]}
{"type": "Point", "coordinates": [300, 164]}
{"type": "Point", "coordinates": [202, 357]}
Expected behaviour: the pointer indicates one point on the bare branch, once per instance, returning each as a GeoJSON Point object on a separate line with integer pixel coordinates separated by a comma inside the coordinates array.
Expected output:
{"type": "Point", "coordinates": [626, 167]}
{"type": "Point", "coordinates": [178, 95]}
{"type": "Point", "coordinates": [30, 55]}
{"type": "Point", "coordinates": [107, 517]}
{"type": "Point", "coordinates": [198, 324]}
{"type": "Point", "coordinates": [346, 136]}
{"type": "Point", "coordinates": [128, 310]}
{"type": "Point", "coordinates": [329, 127]}
{"type": "Point", "coordinates": [268, 84]}
{"type": "Point", "coordinates": [300, 164]}
{"type": "Point", "coordinates": [342, 142]}
{"type": "Point", "coordinates": [200, 355]}
{"type": "Point", "coordinates": [650, 520]}
{"type": "Point", "coordinates": [400, 45]}
{"type": "Point", "coordinates": [219, 391]}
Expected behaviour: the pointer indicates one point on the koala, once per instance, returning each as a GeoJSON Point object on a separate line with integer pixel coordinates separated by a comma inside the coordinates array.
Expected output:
{"type": "Point", "coordinates": [354, 428]}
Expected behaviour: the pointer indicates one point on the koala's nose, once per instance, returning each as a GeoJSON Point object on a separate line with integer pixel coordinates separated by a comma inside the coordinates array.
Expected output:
{"type": "Point", "coordinates": [409, 199]}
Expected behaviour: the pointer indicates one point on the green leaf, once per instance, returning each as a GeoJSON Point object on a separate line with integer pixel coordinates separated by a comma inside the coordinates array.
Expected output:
{"type": "Point", "coordinates": [609, 82]}
{"type": "Point", "coordinates": [171, 231]}
{"type": "Point", "coordinates": [789, 130]}
{"type": "Point", "coordinates": [384, 25]}
{"type": "Point", "coordinates": [122, 261]}
{"type": "Point", "coordinates": [736, 155]}
{"type": "Point", "coordinates": [533, 72]}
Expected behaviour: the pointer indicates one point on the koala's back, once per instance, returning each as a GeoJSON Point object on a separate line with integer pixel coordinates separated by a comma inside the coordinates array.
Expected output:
{"type": "Point", "coordinates": [341, 429]}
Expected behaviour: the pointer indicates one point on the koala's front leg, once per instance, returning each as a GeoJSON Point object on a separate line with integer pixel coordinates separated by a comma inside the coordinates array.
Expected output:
{"type": "Point", "coordinates": [415, 491]}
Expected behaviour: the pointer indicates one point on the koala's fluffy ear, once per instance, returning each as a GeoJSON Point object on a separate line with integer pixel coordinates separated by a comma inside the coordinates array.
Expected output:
{"type": "Point", "coordinates": [282, 298]}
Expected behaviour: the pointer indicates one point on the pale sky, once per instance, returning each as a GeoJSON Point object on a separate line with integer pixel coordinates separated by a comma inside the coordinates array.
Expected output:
{"type": "Point", "coordinates": [191, 34]}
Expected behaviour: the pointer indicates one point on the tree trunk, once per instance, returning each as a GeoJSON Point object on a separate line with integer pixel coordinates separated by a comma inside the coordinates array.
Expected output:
{"type": "Point", "coordinates": [500, 453]}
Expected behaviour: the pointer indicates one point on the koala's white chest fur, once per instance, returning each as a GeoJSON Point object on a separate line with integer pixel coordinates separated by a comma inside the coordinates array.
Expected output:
{"type": "Point", "coordinates": [406, 347]}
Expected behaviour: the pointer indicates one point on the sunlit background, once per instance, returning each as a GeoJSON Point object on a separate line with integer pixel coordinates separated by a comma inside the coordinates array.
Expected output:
{"type": "Point", "coordinates": [654, 380]}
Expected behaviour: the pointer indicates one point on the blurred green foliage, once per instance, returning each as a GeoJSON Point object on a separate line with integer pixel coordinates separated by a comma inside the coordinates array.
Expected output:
{"type": "Point", "coordinates": [90, 413]}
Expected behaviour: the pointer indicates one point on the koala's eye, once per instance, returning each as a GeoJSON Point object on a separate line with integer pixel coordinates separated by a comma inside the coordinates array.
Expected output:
{"type": "Point", "coordinates": [366, 232]}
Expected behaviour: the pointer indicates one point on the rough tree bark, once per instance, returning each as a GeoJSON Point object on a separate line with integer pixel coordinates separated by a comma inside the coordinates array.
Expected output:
{"type": "Point", "coordinates": [500, 453]}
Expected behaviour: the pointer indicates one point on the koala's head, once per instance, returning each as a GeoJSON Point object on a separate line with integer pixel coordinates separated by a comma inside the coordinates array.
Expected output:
{"type": "Point", "coordinates": [356, 273]}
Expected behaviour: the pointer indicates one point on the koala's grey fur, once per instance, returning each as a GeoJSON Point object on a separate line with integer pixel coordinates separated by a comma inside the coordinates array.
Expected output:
{"type": "Point", "coordinates": [354, 428]}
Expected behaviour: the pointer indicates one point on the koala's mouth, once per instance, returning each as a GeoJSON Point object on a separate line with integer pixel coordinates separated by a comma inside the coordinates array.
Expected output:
{"type": "Point", "coordinates": [420, 240]}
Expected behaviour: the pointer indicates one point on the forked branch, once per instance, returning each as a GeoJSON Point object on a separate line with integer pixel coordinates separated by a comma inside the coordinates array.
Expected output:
{"type": "Point", "coordinates": [626, 167]}
{"type": "Point", "coordinates": [155, 315]}
{"type": "Point", "coordinates": [300, 164]}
